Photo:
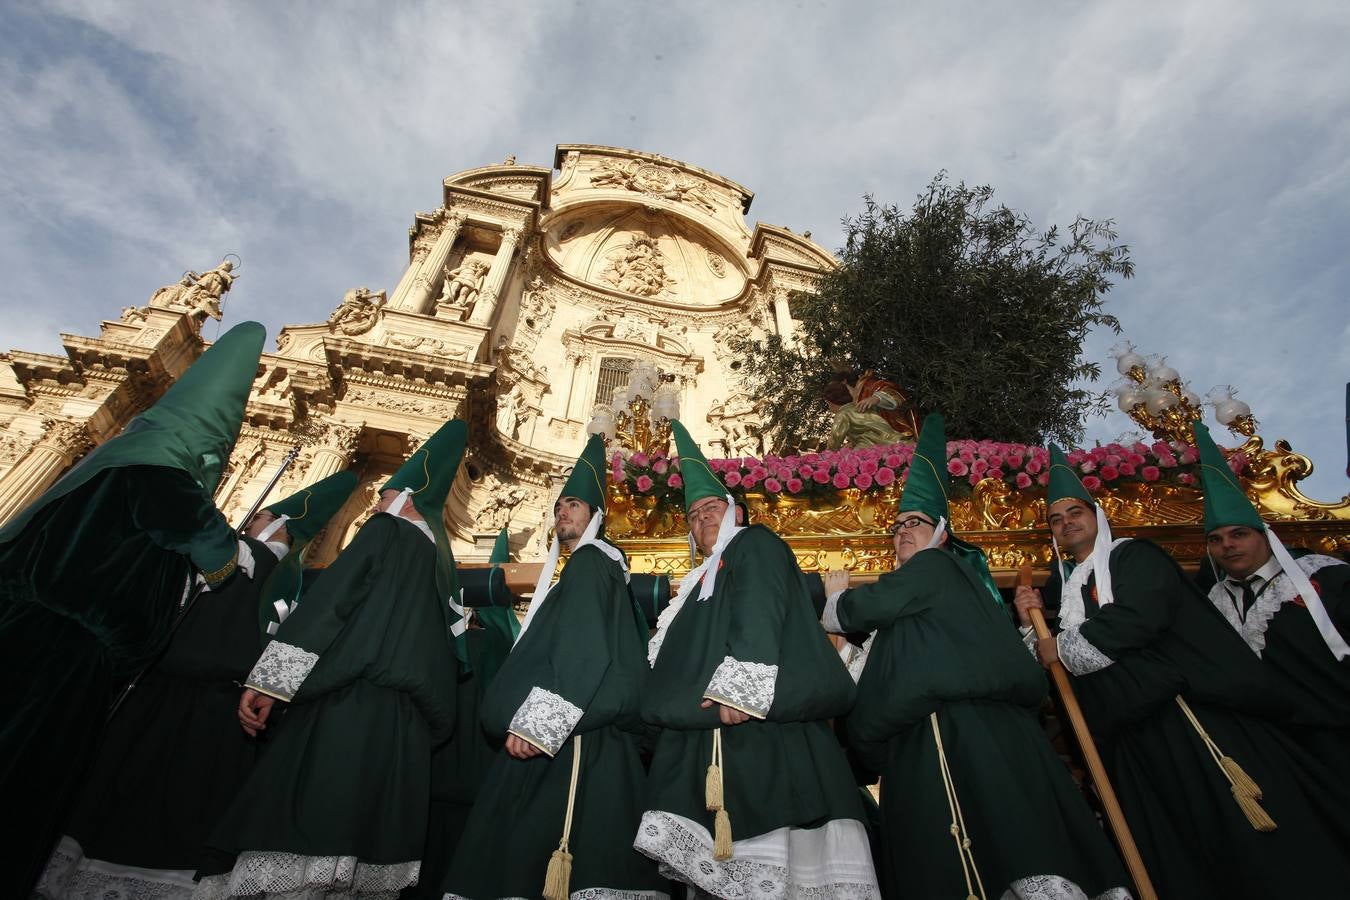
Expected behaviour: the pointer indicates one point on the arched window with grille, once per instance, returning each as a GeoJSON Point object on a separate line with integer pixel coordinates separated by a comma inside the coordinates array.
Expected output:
{"type": "Point", "coordinates": [614, 374]}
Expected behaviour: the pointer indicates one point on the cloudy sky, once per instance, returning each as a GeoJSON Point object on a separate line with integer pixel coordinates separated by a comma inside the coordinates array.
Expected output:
{"type": "Point", "coordinates": [140, 139]}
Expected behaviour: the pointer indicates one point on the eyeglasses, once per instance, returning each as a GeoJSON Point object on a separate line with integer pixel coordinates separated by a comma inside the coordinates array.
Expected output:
{"type": "Point", "coordinates": [911, 522]}
{"type": "Point", "coordinates": [715, 508]}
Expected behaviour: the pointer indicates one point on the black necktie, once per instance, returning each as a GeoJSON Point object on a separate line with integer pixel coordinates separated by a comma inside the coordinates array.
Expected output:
{"type": "Point", "coordinates": [1248, 595]}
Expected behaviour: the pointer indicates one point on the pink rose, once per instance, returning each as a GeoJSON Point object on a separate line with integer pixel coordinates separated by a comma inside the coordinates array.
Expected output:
{"type": "Point", "coordinates": [638, 459]}
{"type": "Point", "coordinates": [868, 467]}
{"type": "Point", "coordinates": [862, 481]}
{"type": "Point", "coordinates": [1186, 478]}
{"type": "Point", "coordinates": [1189, 455]}
{"type": "Point", "coordinates": [1092, 482]}
{"type": "Point", "coordinates": [979, 467]}
{"type": "Point", "coordinates": [848, 467]}
{"type": "Point", "coordinates": [794, 485]}
{"type": "Point", "coordinates": [660, 466]}
{"type": "Point", "coordinates": [783, 473]}
{"type": "Point", "coordinates": [749, 481]}
{"type": "Point", "coordinates": [773, 485]}
{"type": "Point", "coordinates": [893, 460]}
{"type": "Point", "coordinates": [1167, 461]}
{"type": "Point", "coordinates": [1088, 466]}
{"type": "Point", "coordinates": [1151, 473]}
{"type": "Point", "coordinates": [733, 479]}
{"type": "Point", "coordinates": [644, 483]}
{"type": "Point", "coordinates": [1237, 462]}
{"type": "Point", "coordinates": [759, 473]}
{"type": "Point", "coordinates": [885, 476]}
{"type": "Point", "coordinates": [1034, 466]}
{"type": "Point", "coordinates": [1015, 461]}
{"type": "Point", "coordinates": [675, 480]}
{"type": "Point", "coordinates": [841, 480]}
{"type": "Point", "coordinates": [1075, 457]}
{"type": "Point", "coordinates": [973, 479]}
{"type": "Point", "coordinates": [1110, 473]}
{"type": "Point", "coordinates": [820, 476]}
{"type": "Point", "coordinates": [966, 455]}
{"type": "Point", "coordinates": [957, 467]}
{"type": "Point", "coordinates": [1127, 469]}
{"type": "Point", "coordinates": [616, 465]}
{"type": "Point", "coordinates": [994, 473]}
{"type": "Point", "coordinates": [1043, 479]}
{"type": "Point", "coordinates": [1023, 481]}
{"type": "Point", "coordinates": [995, 461]}
{"type": "Point", "coordinates": [1160, 447]}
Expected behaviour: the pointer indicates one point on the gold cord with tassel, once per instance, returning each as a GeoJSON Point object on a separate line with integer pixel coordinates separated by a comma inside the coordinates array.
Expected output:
{"type": "Point", "coordinates": [958, 823]}
{"type": "Point", "coordinates": [714, 799]}
{"type": "Point", "coordinates": [557, 881]}
{"type": "Point", "coordinates": [1246, 792]}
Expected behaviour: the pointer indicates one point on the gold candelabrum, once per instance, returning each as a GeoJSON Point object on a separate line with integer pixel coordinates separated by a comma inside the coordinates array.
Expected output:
{"type": "Point", "coordinates": [638, 421]}
{"type": "Point", "coordinates": [1153, 394]}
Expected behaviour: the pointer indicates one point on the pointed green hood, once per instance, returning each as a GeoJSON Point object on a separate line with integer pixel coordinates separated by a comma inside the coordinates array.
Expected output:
{"type": "Point", "coordinates": [308, 511]}
{"type": "Point", "coordinates": [587, 481]}
{"type": "Point", "coordinates": [499, 622]}
{"type": "Point", "coordinates": [193, 427]}
{"type": "Point", "coordinates": [501, 549]}
{"type": "Point", "coordinates": [926, 489]}
{"type": "Point", "coordinates": [429, 474]}
{"type": "Point", "coordinates": [926, 484]}
{"type": "Point", "coordinates": [1225, 501]}
{"type": "Point", "coordinates": [1064, 481]}
{"type": "Point", "coordinates": [699, 480]}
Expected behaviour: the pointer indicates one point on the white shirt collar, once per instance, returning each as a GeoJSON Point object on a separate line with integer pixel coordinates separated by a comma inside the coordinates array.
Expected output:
{"type": "Point", "coordinates": [1262, 575]}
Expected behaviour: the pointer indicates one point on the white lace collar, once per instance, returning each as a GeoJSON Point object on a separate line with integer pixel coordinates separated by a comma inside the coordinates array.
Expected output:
{"type": "Point", "coordinates": [1278, 591]}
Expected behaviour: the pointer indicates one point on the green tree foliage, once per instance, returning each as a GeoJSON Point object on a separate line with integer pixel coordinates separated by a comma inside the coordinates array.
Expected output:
{"type": "Point", "coordinates": [961, 302]}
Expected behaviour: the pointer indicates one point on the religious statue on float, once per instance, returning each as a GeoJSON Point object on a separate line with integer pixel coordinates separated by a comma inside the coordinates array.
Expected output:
{"type": "Point", "coordinates": [868, 411]}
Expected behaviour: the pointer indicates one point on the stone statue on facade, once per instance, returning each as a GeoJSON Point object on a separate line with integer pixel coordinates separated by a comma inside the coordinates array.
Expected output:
{"type": "Point", "coordinates": [501, 503]}
{"type": "Point", "coordinates": [358, 312]}
{"type": "Point", "coordinates": [198, 295]}
{"type": "Point", "coordinates": [513, 411]}
{"type": "Point", "coordinates": [462, 285]}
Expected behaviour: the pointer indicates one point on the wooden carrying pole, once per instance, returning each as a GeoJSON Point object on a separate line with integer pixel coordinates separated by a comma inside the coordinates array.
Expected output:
{"type": "Point", "coordinates": [1114, 816]}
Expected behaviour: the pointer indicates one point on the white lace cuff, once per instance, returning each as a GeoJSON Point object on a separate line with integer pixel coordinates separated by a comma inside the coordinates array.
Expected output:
{"type": "Point", "coordinates": [829, 619]}
{"type": "Point", "coordinates": [747, 686]}
{"type": "Point", "coordinates": [1079, 655]}
{"type": "Point", "coordinates": [281, 670]}
{"type": "Point", "coordinates": [545, 720]}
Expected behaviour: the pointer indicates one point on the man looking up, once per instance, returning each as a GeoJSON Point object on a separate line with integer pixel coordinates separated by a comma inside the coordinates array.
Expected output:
{"type": "Point", "coordinates": [1177, 703]}
{"type": "Point", "coordinates": [974, 800]}
{"type": "Point", "coordinates": [569, 779]}
{"type": "Point", "coordinates": [742, 687]}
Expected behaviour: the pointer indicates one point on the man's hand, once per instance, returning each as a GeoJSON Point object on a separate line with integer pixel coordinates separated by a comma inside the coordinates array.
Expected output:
{"type": "Point", "coordinates": [1047, 651]}
{"type": "Point", "coordinates": [1027, 598]}
{"type": "Point", "coordinates": [254, 708]}
{"type": "Point", "coordinates": [867, 403]}
{"type": "Point", "coordinates": [727, 714]}
{"type": "Point", "coordinates": [521, 748]}
{"type": "Point", "coordinates": [835, 580]}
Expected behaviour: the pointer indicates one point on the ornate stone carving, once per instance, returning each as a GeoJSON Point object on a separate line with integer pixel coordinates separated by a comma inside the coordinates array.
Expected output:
{"type": "Point", "coordinates": [462, 285]}
{"type": "Point", "coordinates": [359, 311]}
{"type": "Point", "coordinates": [716, 263]}
{"type": "Point", "coordinates": [572, 230]}
{"type": "Point", "coordinates": [537, 306]}
{"type": "Point", "coordinates": [69, 438]}
{"type": "Point", "coordinates": [739, 426]}
{"type": "Point", "coordinates": [667, 183]}
{"type": "Point", "coordinates": [639, 268]}
{"type": "Point", "coordinates": [13, 447]}
{"type": "Point", "coordinates": [134, 314]}
{"type": "Point", "coordinates": [513, 411]}
{"type": "Point", "coordinates": [339, 439]}
{"type": "Point", "coordinates": [423, 344]}
{"type": "Point", "coordinates": [422, 406]}
{"type": "Point", "coordinates": [502, 500]}
{"type": "Point", "coordinates": [198, 295]}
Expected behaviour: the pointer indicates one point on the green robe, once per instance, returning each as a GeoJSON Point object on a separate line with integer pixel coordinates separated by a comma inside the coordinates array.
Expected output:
{"type": "Point", "coordinates": [1131, 658]}
{"type": "Point", "coordinates": [339, 801]}
{"type": "Point", "coordinates": [172, 758]}
{"type": "Point", "coordinates": [88, 591]}
{"type": "Point", "coordinates": [755, 644]}
{"type": "Point", "coordinates": [1314, 684]}
{"type": "Point", "coordinates": [576, 671]}
{"type": "Point", "coordinates": [944, 647]}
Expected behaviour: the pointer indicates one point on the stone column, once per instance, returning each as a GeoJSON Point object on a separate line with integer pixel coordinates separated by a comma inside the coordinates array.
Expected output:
{"type": "Point", "coordinates": [579, 399]}
{"type": "Point", "coordinates": [782, 318]}
{"type": "Point", "coordinates": [414, 289]}
{"type": "Point", "coordinates": [333, 453]}
{"type": "Point", "coordinates": [496, 278]}
{"type": "Point", "coordinates": [61, 444]}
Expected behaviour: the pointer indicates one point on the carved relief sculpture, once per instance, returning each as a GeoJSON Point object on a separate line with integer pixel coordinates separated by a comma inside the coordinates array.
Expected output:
{"type": "Point", "coordinates": [639, 268]}
{"type": "Point", "coordinates": [358, 312]}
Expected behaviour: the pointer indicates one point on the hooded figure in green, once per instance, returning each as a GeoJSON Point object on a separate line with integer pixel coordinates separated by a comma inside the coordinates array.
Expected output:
{"type": "Point", "coordinates": [174, 754]}
{"type": "Point", "coordinates": [91, 574]}
{"type": "Point", "coordinates": [947, 711]}
{"type": "Point", "coordinates": [749, 792]}
{"type": "Point", "coordinates": [1168, 689]}
{"type": "Point", "coordinates": [367, 663]}
{"type": "Point", "coordinates": [568, 779]}
{"type": "Point", "coordinates": [1293, 613]}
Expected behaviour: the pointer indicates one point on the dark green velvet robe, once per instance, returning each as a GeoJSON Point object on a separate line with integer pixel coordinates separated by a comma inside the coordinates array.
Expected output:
{"type": "Point", "coordinates": [88, 592]}
{"type": "Point", "coordinates": [174, 755]}
{"type": "Point", "coordinates": [1159, 638]}
{"type": "Point", "coordinates": [943, 646]}
{"type": "Point", "coordinates": [577, 670]}
{"type": "Point", "coordinates": [368, 667]}
{"type": "Point", "coordinates": [757, 645]}
{"type": "Point", "coordinates": [1280, 630]}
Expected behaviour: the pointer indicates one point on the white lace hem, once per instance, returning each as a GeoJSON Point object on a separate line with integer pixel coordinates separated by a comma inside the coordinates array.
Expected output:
{"type": "Point", "coordinates": [832, 861]}
{"type": "Point", "coordinates": [70, 875]}
{"type": "Point", "coordinates": [545, 720]}
{"type": "Point", "coordinates": [1280, 591]}
{"type": "Point", "coordinates": [747, 686]}
{"type": "Point", "coordinates": [281, 670]}
{"type": "Point", "coordinates": [292, 876]}
{"type": "Point", "coordinates": [1056, 887]}
{"type": "Point", "coordinates": [1079, 655]}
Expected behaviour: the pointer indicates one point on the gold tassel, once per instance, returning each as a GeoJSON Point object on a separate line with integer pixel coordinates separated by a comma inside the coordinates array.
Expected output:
{"type": "Point", "coordinates": [722, 835]}
{"type": "Point", "coordinates": [712, 789]}
{"type": "Point", "coordinates": [1239, 778]}
{"type": "Point", "coordinates": [1256, 815]}
{"type": "Point", "coordinates": [557, 883]}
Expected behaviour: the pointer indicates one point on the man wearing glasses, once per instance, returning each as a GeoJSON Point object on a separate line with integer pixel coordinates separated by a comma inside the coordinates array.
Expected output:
{"type": "Point", "coordinates": [974, 800]}
{"type": "Point", "coordinates": [748, 791]}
